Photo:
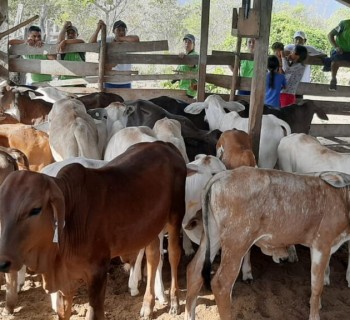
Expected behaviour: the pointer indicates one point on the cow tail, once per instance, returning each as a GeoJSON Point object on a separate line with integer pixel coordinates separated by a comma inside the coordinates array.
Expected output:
{"type": "Point", "coordinates": [284, 125]}
{"type": "Point", "coordinates": [206, 270]}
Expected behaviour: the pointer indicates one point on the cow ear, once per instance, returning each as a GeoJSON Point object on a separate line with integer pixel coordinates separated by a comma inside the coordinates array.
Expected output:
{"type": "Point", "coordinates": [129, 110]}
{"type": "Point", "coordinates": [196, 220]}
{"type": "Point", "coordinates": [335, 179]}
{"type": "Point", "coordinates": [58, 207]}
{"type": "Point", "coordinates": [196, 107]}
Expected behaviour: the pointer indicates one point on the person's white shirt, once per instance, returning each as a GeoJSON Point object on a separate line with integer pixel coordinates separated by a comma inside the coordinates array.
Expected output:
{"type": "Point", "coordinates": [119, 67]}
{"type": "Point", "coordinates": [311, 51]}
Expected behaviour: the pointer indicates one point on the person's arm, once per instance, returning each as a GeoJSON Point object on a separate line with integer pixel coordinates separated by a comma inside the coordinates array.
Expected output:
{"type": "Point", "coordinates": [129, 38]}
{"type": "Point", "coordinates": [312, 51]}
{"type": "Point", "coordinates": [94, 36]}
{"type": "Point", "coordinates": [331, 38]}
{"type": "Point", "coordinates": [16, 41]}
{"type": "Point", "coordinates": [62, 34]}
{"type": "Point", "coordinates": [63, 43]}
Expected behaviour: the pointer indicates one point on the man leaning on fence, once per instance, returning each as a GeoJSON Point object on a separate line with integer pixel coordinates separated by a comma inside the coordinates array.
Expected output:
{"type": "Point", "coordinates": [190, 85]}
{"type": "Point", "coordinates": [34, 40]}
{"type": "Point", "coordinates": [69, 35]}
{"type": "Point", "coordinates": [119, 31]}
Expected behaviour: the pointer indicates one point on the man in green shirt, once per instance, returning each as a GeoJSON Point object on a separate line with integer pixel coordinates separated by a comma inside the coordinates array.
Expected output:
{"type": "Point", "coordinates": [34, 40]}
{"type": "Point", "coordinates": [339, 37]}
{"type": "Point", "coordinates": [69, 35]}
{"type": "Point", "coordinates": [190, 85]}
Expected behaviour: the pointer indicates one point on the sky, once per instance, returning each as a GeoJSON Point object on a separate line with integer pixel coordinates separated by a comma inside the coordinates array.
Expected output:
{"type": "Point", "coordinates": [325, 8]}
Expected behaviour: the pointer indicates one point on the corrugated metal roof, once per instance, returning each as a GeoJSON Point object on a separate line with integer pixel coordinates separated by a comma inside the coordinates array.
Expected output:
{"type": "Point", "coordinates": [344, 2]}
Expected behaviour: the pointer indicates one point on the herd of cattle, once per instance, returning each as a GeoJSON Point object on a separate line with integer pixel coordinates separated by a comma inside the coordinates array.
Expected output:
{"type": "Point", "coordinates": [85, 179]}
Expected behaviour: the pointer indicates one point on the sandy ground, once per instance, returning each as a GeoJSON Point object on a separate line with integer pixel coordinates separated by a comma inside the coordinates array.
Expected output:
{"type": "Point", "coordinates": [279, 291]}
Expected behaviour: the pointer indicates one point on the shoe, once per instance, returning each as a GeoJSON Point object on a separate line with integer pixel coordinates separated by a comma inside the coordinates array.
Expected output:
{"type": "Point", "coordinates": [326, 64]}
{"type": "Point", "coordinates": [333, 85]}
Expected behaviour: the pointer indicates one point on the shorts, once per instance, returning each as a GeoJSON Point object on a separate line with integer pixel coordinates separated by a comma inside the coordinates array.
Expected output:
{"type": "Point", "coordinates": [287, 99]}
{"type": "Point", "coordinates": [116, 85]}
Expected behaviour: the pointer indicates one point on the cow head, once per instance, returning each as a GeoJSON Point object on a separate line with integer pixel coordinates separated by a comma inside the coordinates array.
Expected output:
{"type": "Point", "coordinates": [199, 173]}
{"type": "Point", "coordinates": [7, 97]}
{"type": "Point", "coordinates": [31, 212]}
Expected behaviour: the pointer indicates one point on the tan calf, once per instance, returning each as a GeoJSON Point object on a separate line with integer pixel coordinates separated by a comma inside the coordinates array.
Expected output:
{"type": "Point", "coordinates": [271, 209]}
{"type": "Point", "coordinates": [234, 149]}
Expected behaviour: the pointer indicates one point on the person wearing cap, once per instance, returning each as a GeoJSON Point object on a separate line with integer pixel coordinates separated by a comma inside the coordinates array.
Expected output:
{"type": "Point", "coordinates": [190, 85]}
{"type": "Point", "coordinates": [339, 38]}
{"type": "Point", "coordinates": [69, 35]}
{"type": "Point", "coordinates": [34, 40]}
{"type": "Point", "coordinates": [301, 39]}
{"type": "Point", "coordinates": [119, 31]}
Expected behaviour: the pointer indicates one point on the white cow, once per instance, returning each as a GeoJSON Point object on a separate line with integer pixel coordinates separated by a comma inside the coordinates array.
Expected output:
{"type": "Point", "coordinates": [127, 137]}
{"type": "Point", "coordinates": [302, 153]}
{"type": "Point", "coordinates": [72, 132]}
{"type": "Point", "coordinates": [169, 130]}
{"type": "Point", "coordinates": [272, 128]}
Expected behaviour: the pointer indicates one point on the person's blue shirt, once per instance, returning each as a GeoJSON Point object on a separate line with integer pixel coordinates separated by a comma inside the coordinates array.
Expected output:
{"type": "Point", "coordinates": [272, 95]}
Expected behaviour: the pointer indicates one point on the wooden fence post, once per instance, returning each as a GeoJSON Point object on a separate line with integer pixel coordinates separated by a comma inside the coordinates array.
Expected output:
{"type": "Point", "coordinates": [102, 60]}
{"type": "Point", "coordinates": [235, 74]}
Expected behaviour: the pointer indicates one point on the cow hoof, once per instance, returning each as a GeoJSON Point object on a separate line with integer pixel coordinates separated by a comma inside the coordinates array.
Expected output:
{"type": "Point", "coordinates": [7, 311]}
{"type": "Point", "coordinates": [248, 281]}
{"type": "Point", "coordinates": [145, 313]}
{"type": "Point", "coordinates": [174, 310]}
{"type": "Point", "coordinates": [162, 299]}
{"type": "Point", "coordinates": [134, 292]}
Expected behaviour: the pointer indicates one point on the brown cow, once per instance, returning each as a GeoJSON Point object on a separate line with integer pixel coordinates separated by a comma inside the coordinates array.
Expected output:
{"type": "Point", "coordinates": [33, 143]}
{"type": "Point", "coordinates": [14, 280]}
{"type": "Point", "coordinates": [234, 149]}
{"type": "Point", "coordinates": [25, 109]}
{"type": "Point", "coordinates": [271, 209]}
{"type": "Point", "coordinates": [94, 215]}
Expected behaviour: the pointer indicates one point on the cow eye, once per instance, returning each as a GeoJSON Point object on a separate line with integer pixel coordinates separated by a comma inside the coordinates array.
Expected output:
{"type": "Point", "coordinates": [34, 212]}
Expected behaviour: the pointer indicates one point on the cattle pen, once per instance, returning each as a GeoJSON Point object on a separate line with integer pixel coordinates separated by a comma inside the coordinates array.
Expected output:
{"type": "Point", "coordinates": [256, 24]}
{"type": "Point", "coordinates": [279, 290]}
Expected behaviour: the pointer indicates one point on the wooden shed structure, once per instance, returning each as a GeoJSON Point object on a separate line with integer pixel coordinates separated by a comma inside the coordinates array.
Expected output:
{"type": "Point", "coordinates": [252, 20]}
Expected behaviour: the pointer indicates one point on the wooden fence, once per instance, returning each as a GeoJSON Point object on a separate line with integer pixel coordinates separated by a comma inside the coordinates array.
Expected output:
{"type": "Point", "coordinates": [135, 53]}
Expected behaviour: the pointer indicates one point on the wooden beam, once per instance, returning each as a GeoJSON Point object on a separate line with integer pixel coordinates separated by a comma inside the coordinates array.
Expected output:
{"type": "Point", "coordinates": [312, 89]}
{"type": "Point", "coordinates": [235, 72]}
{"type": "Point", "coordinates": [23, 49]}
{"type": "Point", "coordinates": [344, 2]}
{"type": "Point", "coordinates": [102, 58]}
{"type": "Point", "coordinates": [264, 9]}
{"type": "Point", "coordinates": [112, 48]}
{"type": "Point", "coordinates": [168, 59]}
{"type": "Point", "coordinates": [134, 94]}
{"type": "Point", "coordinates": [313, 60]}
{"type": "Point", "coordinates": [330, 130]}
{"type": "Point", "coordinates": [142, 46]}
{"type": "Point", "coordinates": [54, 67]}
{"type": "Point", "coordinates": [4, 74]}
{"type": "Point", "coordinates": [203, 50]}
{"type": "Point", "coordinates": [24, 23]}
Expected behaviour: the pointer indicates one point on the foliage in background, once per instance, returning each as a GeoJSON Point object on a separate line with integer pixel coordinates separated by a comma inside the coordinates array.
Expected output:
{"type": "Point", "coordinates": [168, 19]}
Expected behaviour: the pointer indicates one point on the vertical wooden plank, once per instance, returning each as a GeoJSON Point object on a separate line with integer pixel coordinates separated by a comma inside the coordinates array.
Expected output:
{"type": "Point", "coordinates": [203, 50]}
{"type": "Point", "coordinates": [235, 69]}
{"type": "Point", "coordinates": [4, 74]}
{"type": "Point", "coordinates": [102, 61]}
{"type": "Point", "coordinates": [257, 96]}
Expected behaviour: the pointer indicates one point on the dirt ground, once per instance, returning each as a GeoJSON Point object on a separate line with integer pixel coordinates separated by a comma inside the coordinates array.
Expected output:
{"type": "Point", "coordinates": [279, 291]}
